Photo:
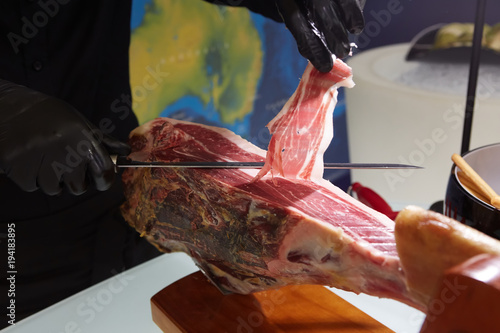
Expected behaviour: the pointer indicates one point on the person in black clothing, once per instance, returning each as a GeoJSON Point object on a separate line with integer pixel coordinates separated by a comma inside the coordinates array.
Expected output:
{"type": "Point", "coordinates": [65, 106]}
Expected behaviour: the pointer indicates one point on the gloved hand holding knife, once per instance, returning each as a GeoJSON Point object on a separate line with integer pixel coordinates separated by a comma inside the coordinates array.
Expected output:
{"type": "Point", "coordinates": [45, 143]}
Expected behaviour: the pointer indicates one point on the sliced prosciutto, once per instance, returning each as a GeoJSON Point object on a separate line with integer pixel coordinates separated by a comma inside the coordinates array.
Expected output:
{"type": "Point", "coordinates": [303, 129]}
{"type": "Point", "coordinates": [249, 235]}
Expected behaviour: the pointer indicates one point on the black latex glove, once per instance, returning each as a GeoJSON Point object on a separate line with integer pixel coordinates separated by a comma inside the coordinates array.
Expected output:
{"type": "Point", "coordinates": [320, 27]}
{"type": "Point", "coordinates": [45, 143]}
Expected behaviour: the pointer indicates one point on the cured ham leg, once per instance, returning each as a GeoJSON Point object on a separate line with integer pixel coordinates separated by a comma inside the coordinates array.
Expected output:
{"type": "Point", "coordinates": [303, 129]}
{"type": "Point", "coordinates": [249, 236]}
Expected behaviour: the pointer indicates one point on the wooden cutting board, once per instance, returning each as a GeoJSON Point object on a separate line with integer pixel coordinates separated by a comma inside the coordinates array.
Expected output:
{"type": "Point", "coordinates": [194, 305]}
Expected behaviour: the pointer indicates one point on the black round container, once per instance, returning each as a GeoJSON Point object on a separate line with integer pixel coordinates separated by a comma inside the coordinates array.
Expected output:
{"type": "Point", "coordinates": [464, 207]}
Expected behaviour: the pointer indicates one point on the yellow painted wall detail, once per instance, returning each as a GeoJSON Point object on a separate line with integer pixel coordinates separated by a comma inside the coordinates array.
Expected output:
{"type": "Point", "coordinates": [192, 48]}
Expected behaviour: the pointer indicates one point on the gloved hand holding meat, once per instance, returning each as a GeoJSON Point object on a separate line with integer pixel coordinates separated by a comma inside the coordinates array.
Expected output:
{"type": "Point", "coordinates": [45, 143]}
{"type": "Point", "coordinates": [320, 27]}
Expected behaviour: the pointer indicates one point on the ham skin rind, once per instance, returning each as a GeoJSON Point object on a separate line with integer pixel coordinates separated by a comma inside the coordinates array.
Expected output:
{"type": "Point", "coordinates": [430, 243]}
{"type": "Point", "coordinates": [250, 236]}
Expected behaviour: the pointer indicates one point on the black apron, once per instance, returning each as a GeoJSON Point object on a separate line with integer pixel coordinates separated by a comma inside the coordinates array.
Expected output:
{"type": "Point", "coordinates": [67, 250]}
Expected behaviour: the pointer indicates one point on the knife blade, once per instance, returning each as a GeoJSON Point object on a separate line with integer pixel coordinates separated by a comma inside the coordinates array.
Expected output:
{"type": "Point", "coordinates": [124, 162]}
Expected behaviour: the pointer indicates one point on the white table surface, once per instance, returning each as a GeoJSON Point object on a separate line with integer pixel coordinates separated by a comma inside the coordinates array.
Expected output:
{"type": "Point", "coordinates": [122, 303]}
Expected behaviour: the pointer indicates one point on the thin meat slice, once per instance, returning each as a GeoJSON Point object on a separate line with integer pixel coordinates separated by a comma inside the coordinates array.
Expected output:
{"type": "Point", "coordinates": [250, 236]}
{"type": "Point", "coordinates": [303, 129]}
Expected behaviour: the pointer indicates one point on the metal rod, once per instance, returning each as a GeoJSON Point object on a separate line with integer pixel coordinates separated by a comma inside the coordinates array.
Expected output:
{"type": "Point", "coordinates": [473, 74]}
{"type": "Point", "coordinates": [124, 162]}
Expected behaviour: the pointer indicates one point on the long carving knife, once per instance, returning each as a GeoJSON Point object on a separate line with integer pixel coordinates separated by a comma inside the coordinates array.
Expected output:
{"type": "Point", "coordinates": [124, 162]}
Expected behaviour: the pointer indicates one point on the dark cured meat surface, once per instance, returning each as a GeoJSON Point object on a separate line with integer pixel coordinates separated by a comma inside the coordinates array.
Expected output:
{"type": "Point", "coordinates": [303, 195]}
